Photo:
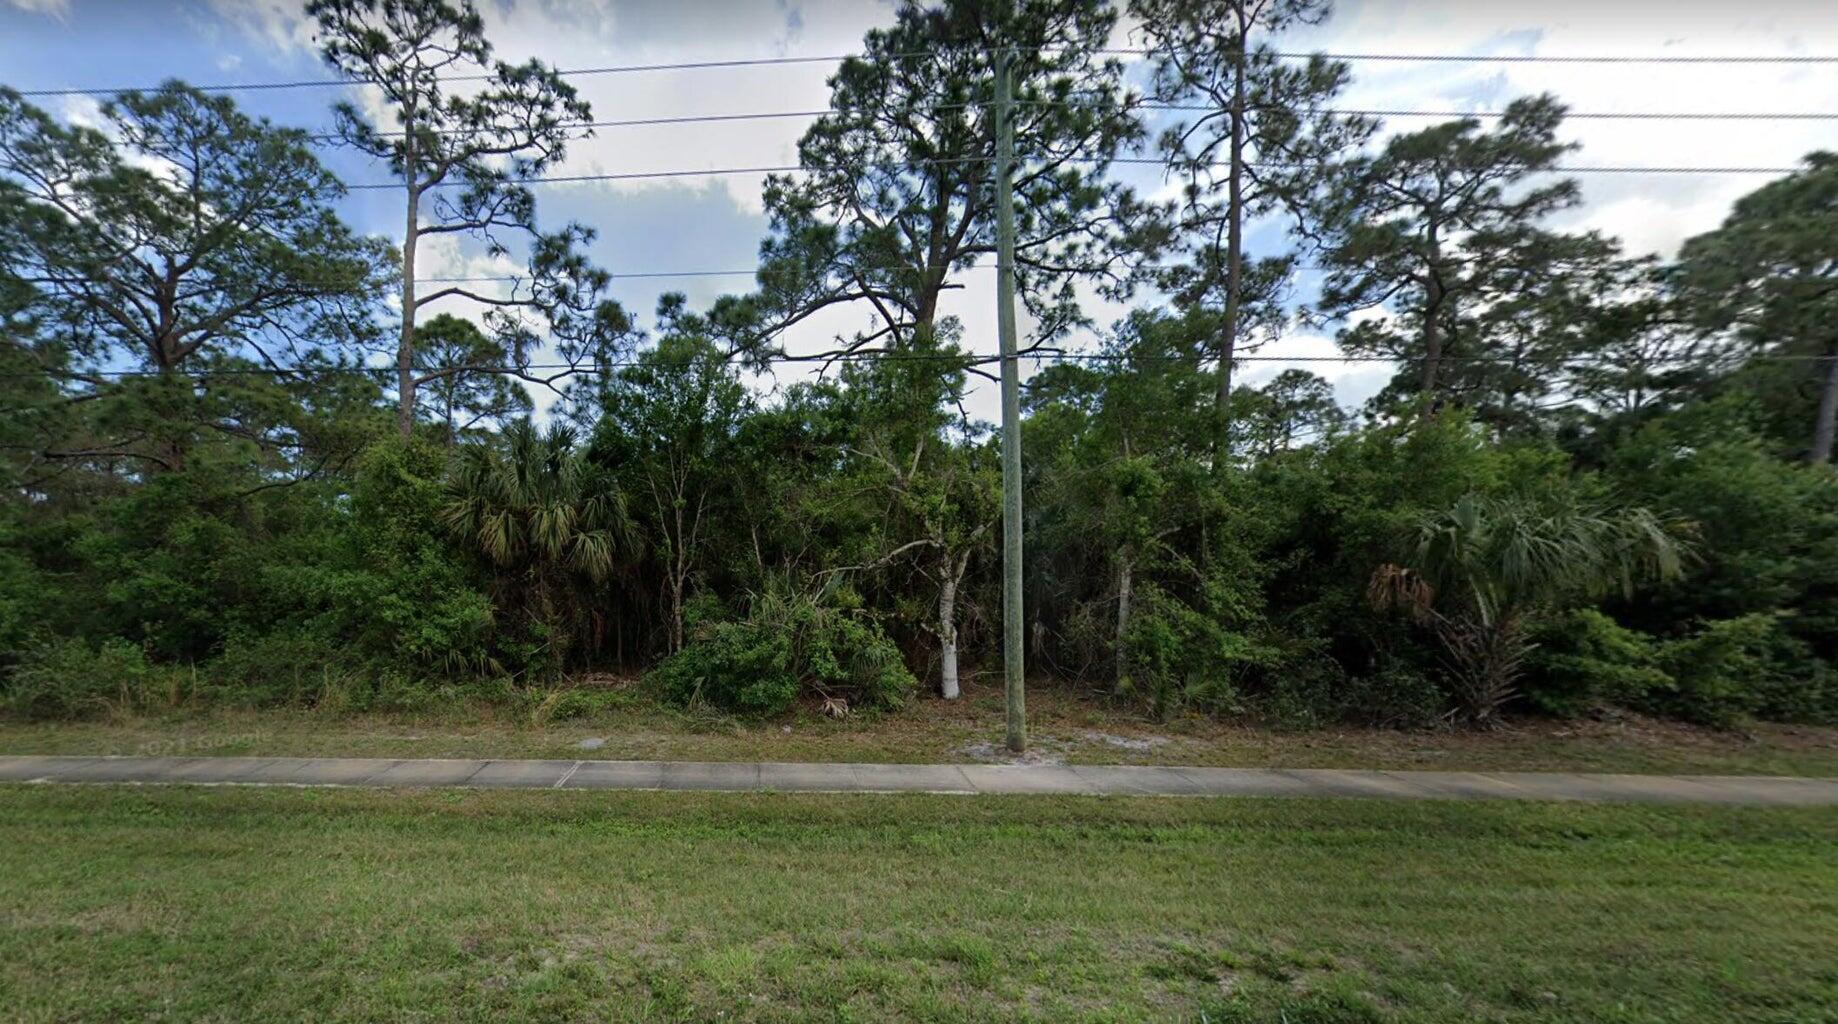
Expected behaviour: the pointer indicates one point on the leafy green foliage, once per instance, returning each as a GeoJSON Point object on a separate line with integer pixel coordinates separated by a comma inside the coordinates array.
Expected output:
{"type": "Point", "coordinates": [1181, 658]}
{"type": "Point", "coordinates": [71, 679]}
{"type": "Point", "coordinates": [483, 142]}
{"type": "Point", "coordinates": [1583, 659]}
{"type": "Point", "coordinates": [1769, 527]}
{"type": "Point", "coordinates": [420, 606]}
{"type": "Point", "coordinates": [1442, 228]}
{"type": "Point", "coordinates": [666, 439]}
{"type": "Point", "coordinates": [1486, 566]}
{"type": "Point", "coordinates": [1262, 132]}
{"type": "Point", "coordinates": [1714, 670]}
{"type": "Point", "coordinates": [224, 514]}
{"type": "Point", "coordinates": [897, 199]}
{"type": "Point", "coordinates": [459, 397]}
{"type": "Point", "coordinates": [525, 506]}
{"type": "Point", "coordinates": [1770, 272]}
{"type": "Point", "coordinates": [737, 666]}
{"type": "Point", "coordinates": [788, 647]}
{"type": "Point", "coordinates": [233, 259]}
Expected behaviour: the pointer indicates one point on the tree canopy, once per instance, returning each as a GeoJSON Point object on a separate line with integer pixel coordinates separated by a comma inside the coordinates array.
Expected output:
{"type": "Point", "coordinates": [249, 460]}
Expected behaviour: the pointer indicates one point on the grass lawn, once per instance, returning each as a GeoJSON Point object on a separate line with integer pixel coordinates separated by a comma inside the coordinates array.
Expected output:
{"type": "Point", "coordinates": [127, 904]}
{"type": "Point", "coordinates": [1066, 725]}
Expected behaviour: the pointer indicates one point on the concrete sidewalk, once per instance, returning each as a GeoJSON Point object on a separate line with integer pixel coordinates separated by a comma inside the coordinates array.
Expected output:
{"type": "Point", "coordinates": [967, 779]}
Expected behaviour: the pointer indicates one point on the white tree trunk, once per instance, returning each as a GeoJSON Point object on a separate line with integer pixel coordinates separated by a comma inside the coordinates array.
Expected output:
{"type": "Point", "coordinates": [1826, 429]}
{"type": "Point", "coordinates": [947, 632]}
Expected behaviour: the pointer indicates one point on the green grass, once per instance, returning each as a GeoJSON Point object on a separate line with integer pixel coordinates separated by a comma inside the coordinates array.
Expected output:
{"type": "Point", "coordinates": [1065, 725]}
{"type": "Point", "coordinates": [339, 905]}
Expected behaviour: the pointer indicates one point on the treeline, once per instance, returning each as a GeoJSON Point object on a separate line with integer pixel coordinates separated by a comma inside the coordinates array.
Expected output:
{"type": "Point", "coordinates": [250, 458]}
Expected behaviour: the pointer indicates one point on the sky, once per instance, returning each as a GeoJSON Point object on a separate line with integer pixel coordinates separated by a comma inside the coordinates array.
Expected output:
{"type": "Point", "coordinates": [716, 222]}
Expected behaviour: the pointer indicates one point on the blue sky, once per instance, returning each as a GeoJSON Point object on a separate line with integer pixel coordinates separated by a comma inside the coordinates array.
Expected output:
{"type": "Point", "coordinates": [716, 223]}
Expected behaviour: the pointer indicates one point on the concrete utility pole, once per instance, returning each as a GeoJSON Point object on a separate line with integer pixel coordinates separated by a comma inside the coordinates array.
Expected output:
{"type": "Point", "coordinates": [1013, 626]}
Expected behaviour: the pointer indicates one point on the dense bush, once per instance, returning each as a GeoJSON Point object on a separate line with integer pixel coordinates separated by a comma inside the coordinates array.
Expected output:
{"type": "Point", "coordinates": [69, 678]}
{"type": "Point", "coordinates": [1582, 659]}
{"type": "Point", "coordinates": [788, 647]}
{"type": "Point", "coordinates": [1178, 657]}
{"type": "Point", "coordinates": [1768, 528]}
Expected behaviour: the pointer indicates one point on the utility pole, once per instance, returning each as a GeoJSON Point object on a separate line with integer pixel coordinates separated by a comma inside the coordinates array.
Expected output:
{"type": "Point", "coordinates": [1013, 625]}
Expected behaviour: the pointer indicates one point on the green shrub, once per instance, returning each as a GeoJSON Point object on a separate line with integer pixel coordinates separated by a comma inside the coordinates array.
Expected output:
{"type": "Point", "coordinates": [1396, 694]}
{"type": "Point", "coordinates": [1799, 686]}
{"type": "Point", "coordinates": [1178, 657]}
{"type": "Point", "coordinates": [573, 704]}
{"type": "Point", "coordinates": [1717, 672]}
{"type": "Point", "coordinates": [1308, 690]}
{"type": "Point", "coordinates": [1770, 526]}
{"type": "Point", "coordinates": [290, 665]}
{"type": "Point", "coordinates": [24, 593]}
{"type": "Point", "coordinates": [1730, 669]}
{"type": "Point", "coordinates": [1583, 659]}
{"type": "Point", "coordinates": [789, 646]}
{"type": "Point", "coordinates": [392, 595]}
{"type": "Point", "coordinates": [71, 679]}
{"type": "Point", "coordinates": [412, 599]}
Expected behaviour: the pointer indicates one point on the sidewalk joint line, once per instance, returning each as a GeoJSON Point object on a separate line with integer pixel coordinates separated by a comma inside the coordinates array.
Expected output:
{"type": "Point", "coordinates": [569, 774]}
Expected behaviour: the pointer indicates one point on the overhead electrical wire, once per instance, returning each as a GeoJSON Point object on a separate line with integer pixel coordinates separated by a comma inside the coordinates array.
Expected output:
{"type": "Point", "coordinates": [642, 275]}
{"type": "Point", "coordinates": [1627, 115]}
{"type": "Point", "coordinates": [703, 65]}
{"type": "Point", "coordinates": [575, 179]}
{"type": "Point", "coordinates": [972, 359]}
{"type": "Point", "coordinates": [967, 359]}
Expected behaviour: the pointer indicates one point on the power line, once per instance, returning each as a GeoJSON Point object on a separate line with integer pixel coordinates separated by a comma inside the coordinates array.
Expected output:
{"type": "Point", "coordinates": [1554, 168]}
{"type": "Point", "coordinates": [966, 359]}
{"type": "Point", "coordinates": [1483, 58]}
{"type": "Point", "coordinates": [518, 278]}
{"type": "Point", "coordinates": [637, 275]}
{"type": "Point", "coordinates": [1604, 115]}
{"type": "Point", "coordinates": [573, 179]}
{"type": "Point", "coordinates": [1572, 115]}
{"type": "Point", "coordinates": [631, 122]}
{"type": "Point", "coordinates": [323, 83]}
{"type": "Point", "coordinates": [703, 65]}
{"type": "Point", "coordinates": [487, 278]}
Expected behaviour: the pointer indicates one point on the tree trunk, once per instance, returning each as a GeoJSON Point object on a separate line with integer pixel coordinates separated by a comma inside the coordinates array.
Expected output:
{"type": "Point", "coordinates": [679, 579]}
{"type": "Point", "coordinates": [1827, 426]}
{"type": "Point", "coordinates": [676, 616]}
{"type": "Point", "coordinates": [1126, 571]}
{"type": "Point", "coordinates": [947, 634]}
{"type": "Point", "coordinates": [411, 238]}
{"type": "Point", "coordinates": [1434, 295]}
{"type": "Point", "coordinates": [674, 582]}
{"type": "Point", "coordinates": [1488, 658]}
{"type": "Point", "coordinates": [1234, 264]}
{"type": "Point", "coordinates": [174, 421]}
{"type": "Point", "coordinates": [1432, 336]}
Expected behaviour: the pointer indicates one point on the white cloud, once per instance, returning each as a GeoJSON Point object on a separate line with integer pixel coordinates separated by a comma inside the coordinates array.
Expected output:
{"type": "Point", "coordinates": [281, 24]}
{"type": "Point", "coordinates": [606, 33]}
{"type": "Point", "coordinates": [1650, 212]}
{"type": "Point", "coordinates": [86, 112]}
{"type": "Point", "coordinates": [58, 9]}
{"type": "Point", "coordinates": [83, 111]}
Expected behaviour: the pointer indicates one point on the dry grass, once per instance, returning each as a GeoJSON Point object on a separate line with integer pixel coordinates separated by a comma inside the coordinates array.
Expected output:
{"type": "Point", "coordinates": [1066, 725]}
